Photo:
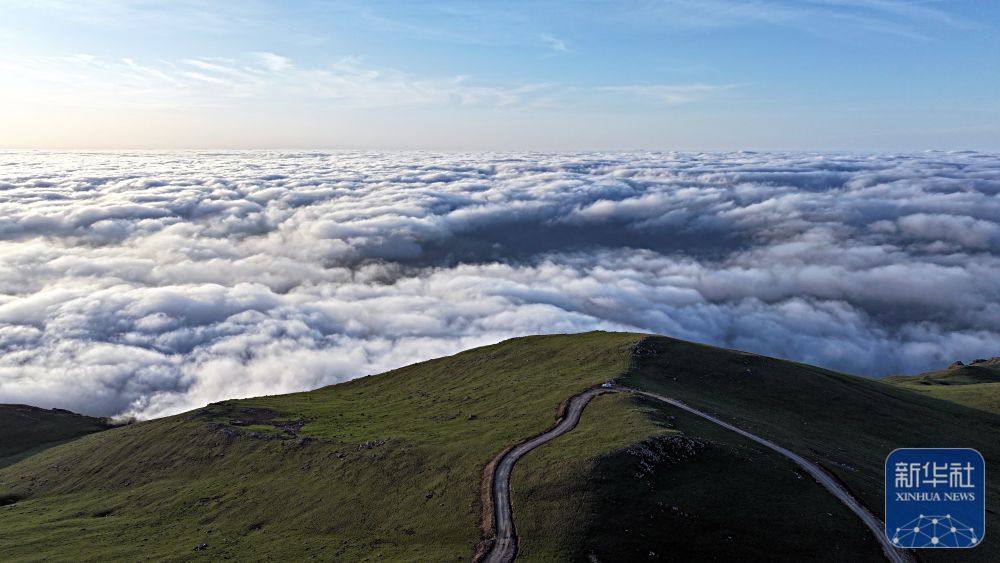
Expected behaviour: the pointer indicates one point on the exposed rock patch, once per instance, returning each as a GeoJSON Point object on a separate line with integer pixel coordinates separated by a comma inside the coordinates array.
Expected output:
{"type": "Point", "coordinates": [665, 449]}
{"type": "Point", "coordinates": [236, 417]}
{"type": "Point", "coordinates": [370, 444]}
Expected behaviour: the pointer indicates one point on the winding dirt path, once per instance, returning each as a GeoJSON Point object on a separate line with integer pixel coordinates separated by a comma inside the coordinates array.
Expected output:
{"type": "Point", "coordinates": [503, 549]}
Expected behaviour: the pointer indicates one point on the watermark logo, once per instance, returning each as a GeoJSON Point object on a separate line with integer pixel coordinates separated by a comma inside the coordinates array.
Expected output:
{"type": "Point", "coordinates": [935, 497]}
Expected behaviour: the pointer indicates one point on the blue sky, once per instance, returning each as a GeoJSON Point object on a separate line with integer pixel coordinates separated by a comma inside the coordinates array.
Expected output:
{"type": "Point", "coordinates": [669, 74]}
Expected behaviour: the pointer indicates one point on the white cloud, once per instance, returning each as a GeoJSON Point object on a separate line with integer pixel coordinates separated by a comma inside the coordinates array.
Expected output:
{"type": "Point", "coordinates": [83, 80]}
{"type": "Point", "coordinates": [274, 62]}
{"type": "Point", "coordinates": [668, 94]}
{"type": "Point", "coordinates": [150, 283]}
{"type": "Point", "coordinates": [556, 44]}
{"type": "Point", "coordinates": [903, 18]}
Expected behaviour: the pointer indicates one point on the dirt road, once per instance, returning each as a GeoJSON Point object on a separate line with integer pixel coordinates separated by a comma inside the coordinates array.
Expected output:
{"type": "Point", "coordinates": [504, 549]}
{"type": "Point", "coordinates": [824, 479]}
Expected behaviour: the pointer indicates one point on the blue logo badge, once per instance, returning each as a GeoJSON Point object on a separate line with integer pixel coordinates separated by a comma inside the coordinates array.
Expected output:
{"type": "Point", "coordinates": [935, 497]}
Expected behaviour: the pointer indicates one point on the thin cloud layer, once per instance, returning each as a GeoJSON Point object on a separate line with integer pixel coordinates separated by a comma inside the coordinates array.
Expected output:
{"type": "Point", "coordinates": [151, 283]}
{"type": "Point", "coordinates": [84, 80]}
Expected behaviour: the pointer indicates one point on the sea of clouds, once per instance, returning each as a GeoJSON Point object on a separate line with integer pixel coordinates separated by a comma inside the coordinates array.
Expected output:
{"type": "Point", "coordinates": [146, 284]}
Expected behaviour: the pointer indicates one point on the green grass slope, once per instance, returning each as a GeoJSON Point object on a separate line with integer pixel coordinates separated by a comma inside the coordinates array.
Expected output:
{"type": "Point", "coordinates": [25, 430]}
{"type": "Point", "coordinates": [386, 467]}
{"type": "Point", "coordinates": [976, 385]}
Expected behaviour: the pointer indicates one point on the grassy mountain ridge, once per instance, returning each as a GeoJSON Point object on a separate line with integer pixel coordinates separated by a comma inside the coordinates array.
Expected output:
{"type": "Point", "coordinates": [388, 467]}
{"type": "Point", "coordinates": [693, 491]}
{"type": "Point", "coordinates": [383, 467]}
{"type": "Point", "coordinates": [848, 424]}
{"type": "Point", "coordinates": [25, 430]}
{"type": "Point", "coordinates": [975, 385]}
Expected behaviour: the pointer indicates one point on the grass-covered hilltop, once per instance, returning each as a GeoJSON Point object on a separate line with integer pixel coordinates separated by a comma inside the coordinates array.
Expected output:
{"type": "Point", "coordinates": [975, 385]}
{"type": "Point", "coordinates": [390, 467]}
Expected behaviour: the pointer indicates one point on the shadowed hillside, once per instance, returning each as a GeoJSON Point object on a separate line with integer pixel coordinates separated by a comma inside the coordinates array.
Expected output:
{"type": "Point", "coordinates": [26, 430]}
{"type": "Point", "coordinates": [694, 491]}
